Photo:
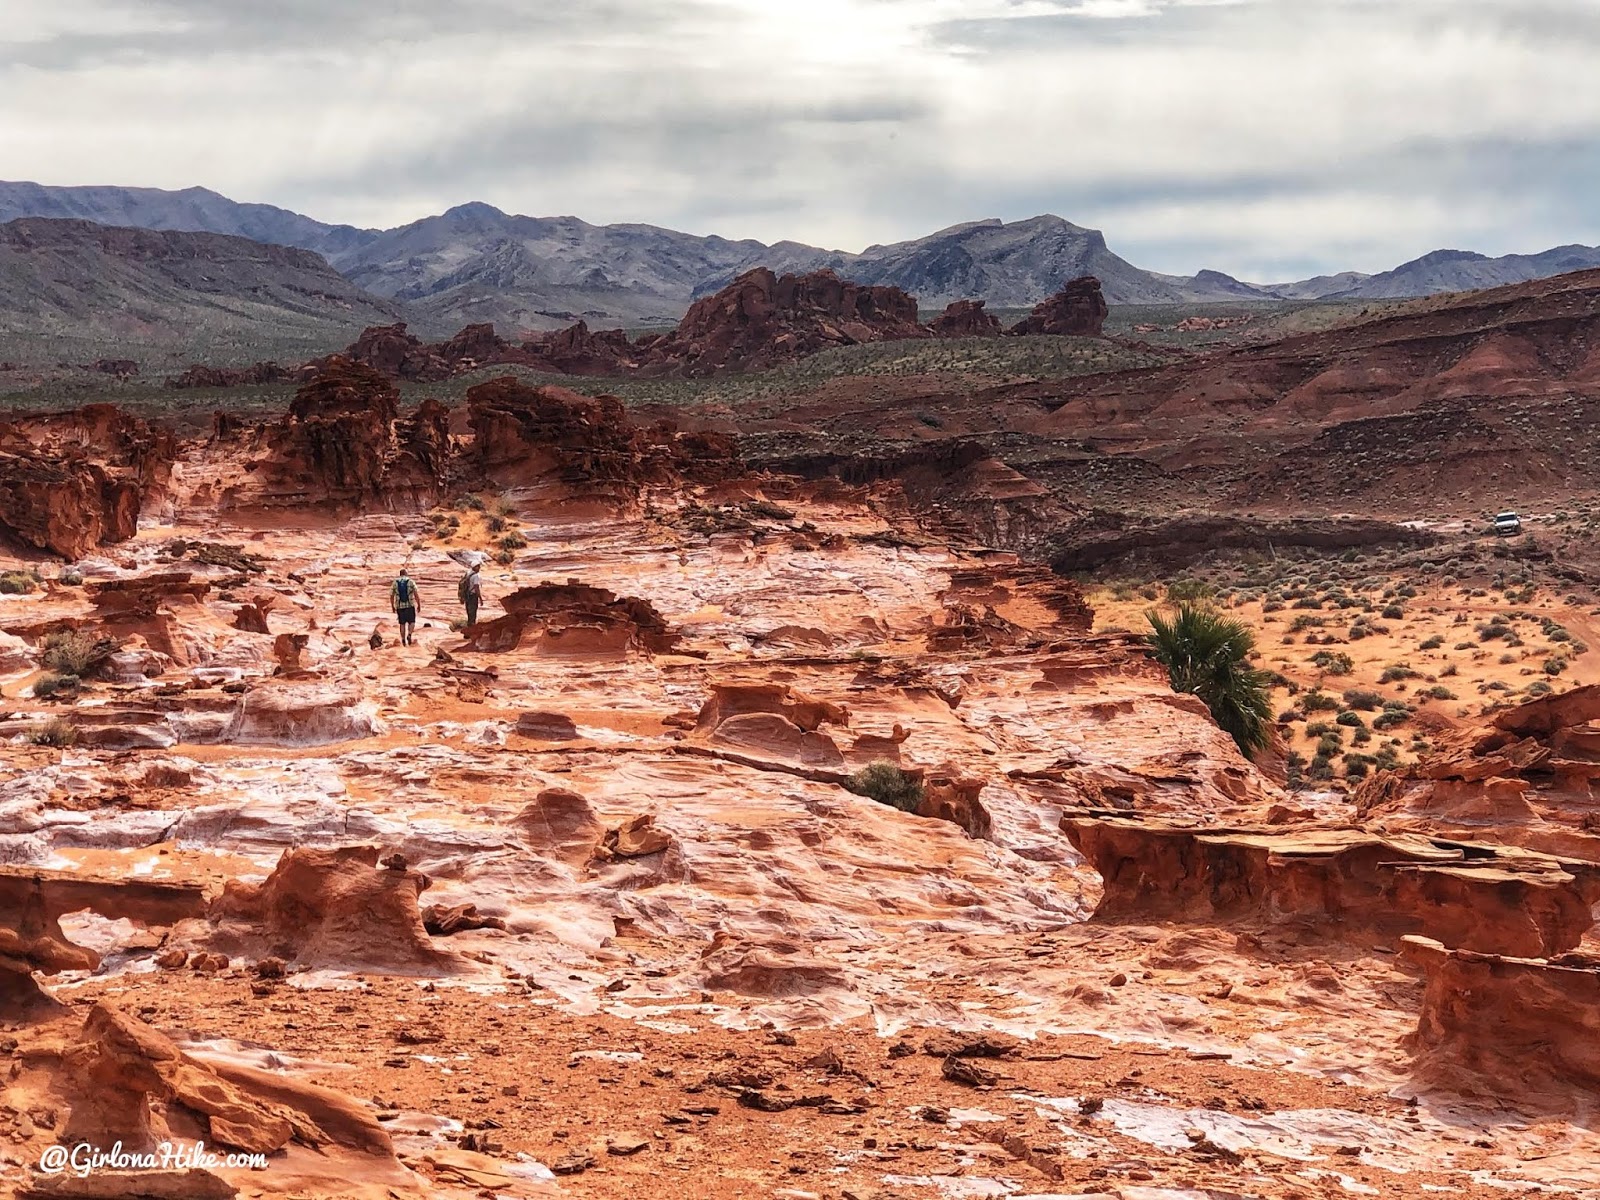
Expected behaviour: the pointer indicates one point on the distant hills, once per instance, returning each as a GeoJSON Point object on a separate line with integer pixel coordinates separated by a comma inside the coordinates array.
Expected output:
{"type": "Point", "coordinates": [89, 283]}
{"type": "Point", "coordinates": [476, 263]}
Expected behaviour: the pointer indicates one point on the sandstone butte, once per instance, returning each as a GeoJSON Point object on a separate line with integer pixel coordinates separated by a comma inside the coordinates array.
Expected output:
{"type": "Point", "coordinates": [757, 321]}
{"type": "Point", "coordinates": [578, 903]}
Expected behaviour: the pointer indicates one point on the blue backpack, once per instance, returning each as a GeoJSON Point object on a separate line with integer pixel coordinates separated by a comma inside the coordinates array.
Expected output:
{"type": "Point", "coordinates": [406, 592]}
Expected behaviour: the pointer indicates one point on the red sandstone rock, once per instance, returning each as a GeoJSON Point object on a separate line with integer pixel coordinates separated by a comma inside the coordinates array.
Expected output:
{"type": "Point", "coordinates": [729, 700]}
{"type": "Point", "coordinates": [198, 375]}
{"type": "Point", "coordinates": [32, 902]}
{"type": "Point", "coordinates": [1339, 881]}
{"type": "Point", "coordinates": [953, 798]}
{"type": "Point", "coordinates": [74, 481]}
{"type": "Point", "coordinates": [965, 318]}
{"type": "Point", "coordinates": [330, 906]}
{"type": "Point", "coordinates": [1508, 1027]}
{"type": "Point", "coordinates": [560, 823]}
{"type": "Point", "coordinates": [760, 319]}
{"type": "Point", "coordinates": [1077, 310]}
{"type": "Point", "coordinates": [578, 351]}
{"type": "Point", "coordinates": [577, 620]}
{"type": "Point", "coordinates": [344, 443]}
{"type": "Point", "coordinates": [523, 434]}
{"type": "Point", "coordinates": [1527, 778]}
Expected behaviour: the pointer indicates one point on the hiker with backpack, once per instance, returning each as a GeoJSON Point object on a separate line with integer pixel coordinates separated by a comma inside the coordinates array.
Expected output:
{"type": "Point", "coordinates": [470, 592]}
{"type": "Point", "coordinates": [403, 599]}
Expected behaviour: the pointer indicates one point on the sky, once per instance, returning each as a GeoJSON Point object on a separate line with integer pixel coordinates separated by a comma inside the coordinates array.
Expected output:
{"type": "Point", "coordinates": [1271, 139]}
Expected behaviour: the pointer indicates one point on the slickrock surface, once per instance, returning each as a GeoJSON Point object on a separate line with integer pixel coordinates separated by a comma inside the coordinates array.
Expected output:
{"type": "Point", "coordinates": [588, 908]}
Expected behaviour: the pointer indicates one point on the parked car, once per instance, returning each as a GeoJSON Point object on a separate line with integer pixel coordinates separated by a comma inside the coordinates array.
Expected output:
{"type": "Point", "coordinates": [1507, 524]}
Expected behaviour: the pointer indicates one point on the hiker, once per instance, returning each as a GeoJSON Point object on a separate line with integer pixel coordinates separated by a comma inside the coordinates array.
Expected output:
{"type": "Point", "coordinates": [470, 590]}
{"type": "Point", "coordinates": [403, 599]}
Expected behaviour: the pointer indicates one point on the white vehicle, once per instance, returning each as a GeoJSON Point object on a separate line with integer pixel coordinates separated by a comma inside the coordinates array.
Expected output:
{"type": "Point", "coordinates": [1507, 524]}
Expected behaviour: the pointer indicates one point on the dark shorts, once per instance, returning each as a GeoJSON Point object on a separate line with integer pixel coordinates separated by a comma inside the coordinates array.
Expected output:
{"type": "Point", "coordinates": [406, 616]}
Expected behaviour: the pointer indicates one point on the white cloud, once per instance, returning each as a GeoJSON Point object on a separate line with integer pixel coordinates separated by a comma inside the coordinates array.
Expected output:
{"type": "Point", "coordinates": [1227, 133]}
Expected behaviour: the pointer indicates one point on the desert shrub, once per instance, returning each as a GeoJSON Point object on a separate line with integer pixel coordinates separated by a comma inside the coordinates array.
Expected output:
{"type": "Point", "coordinates": [71, 652]}
{"type": "Point", "coordinates": [505, 557]}
{"type": "Point", "coordinates": [1452, 669]}
{"type": "Point", "coordinates": [1557, 633]}
{"type": "Point", "coordinates": [887, 784]}
{"type": "Point", "coordinates": [1350, 720]}
{"type": "Point", "coordinates": [1389, 718]}
{"type": "Point", "coordinates": [1308, 602]}
{"type": "Point", "coordinates": [1318, 702]}
{"type": "Point", "coordinates": [1330, 744]}
{"type": "Point", "coordinates": [1319, 729]}
{"type": "Point", "coordinates": [1272, 606]}
{"type": "Point", "coordinates": [1361, 737]}
{"type": "Point", "coordinates": [1363, 700]}
{"type": "Point", "coordinates": [1149, 592]}
{"type": "Point", "coordinates": [54, 732]}
{"type": "Point", "coordinates": [54, 685]}
{"type": "Point", "coordinates": [1554, 666]}
{"type": "Point", "coordinates": [1181, 590]}
{"type": "Point", "coordinates": [1393, 612]}
{"type": "Point", "coordinates": [1494, 629]}
{"type": "Point", "coordinates": [1439, 692]}
{"type": "Point", "coordinates": [1208, 655]}
{"type": "Point", "coordinates": [17, 583]}
{"type": "Point", "coordinates": [1395, 672]}
{"type": "Point", "coordinates": [1432, 643]}
{"type": "Point", "coordinates": [1334, 662]}
{"type": "Point", "coordinates": [1538, 688]}
{"type": "Point", "coordinates": [512, 541]}
{"type": "Point", "coordinates": [1304, 622]}
{"type": "Point", "coordinates": [469, 502]}
{"type": "Point", "coordinates": [496, 524]}
{"type": "Point", "coordinates": [70, 578]}
{"type": "Point", "coordinates": [1356, 766]}
{"type": "Point", "coordinates": [1294, 769]}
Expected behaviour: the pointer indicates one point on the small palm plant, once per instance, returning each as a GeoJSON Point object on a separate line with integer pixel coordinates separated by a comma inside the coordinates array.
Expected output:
{"type": "Point", "coordinates": [1208, 655]}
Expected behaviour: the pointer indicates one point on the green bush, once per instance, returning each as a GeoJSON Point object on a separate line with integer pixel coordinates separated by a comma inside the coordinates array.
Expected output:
{"type": "Point", "coordinates": [51, 686]}
{"type": "Point", "coordinates": [1432, 643]}
{"type": "Point", "coordinates": [1350, 720]}
{"type": "Point", "coordinates": [1396, 672]}
{"type": "Point", "coordinates": [1334, 662]}
{"type": "Point", "coordinates": [17, 583]}
{"type": "Point", "coordinates": [1363, 701]}
{"type": "Point", "coordinates": [1182, 590]}
{"type": "Point", "coordinates": [54, 732]}
{"type": "Point", "coordinates": [1208, 655]}
{"type": "Point", "coordinates": [73, 652]}
{"type": "Point", "coordinates": [1393, 612]}
{"type": "Point", "coordinates": [887, 784]}
{"type": "Point", "coordinates": [1318, 702]}
{"type": "Point", "coordinates": [512, 541]}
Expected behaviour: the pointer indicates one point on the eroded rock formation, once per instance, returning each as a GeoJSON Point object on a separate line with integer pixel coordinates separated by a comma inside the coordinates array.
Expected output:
{"type": "Point", "coordinates": [71, 482]}
{"type": "Point", "coordinates": [965, 318]}
{"type": "Point", "coordinates": [1077, 310]}
{"type": "Point", "coordinates": [1501, 1025]}
{"type": "Point", "coordinates": [1340, 882]}
{"type": "Point", "coordinates": [574, 619]}
{"type": "Point", "coordinates": [343, 443]}
{"type": "Point", "coordinates": [761, 319]}
{"type": "Point", "coordinates": [1528, 779]}
{"type": "Point", "coordinates": [330, 906]}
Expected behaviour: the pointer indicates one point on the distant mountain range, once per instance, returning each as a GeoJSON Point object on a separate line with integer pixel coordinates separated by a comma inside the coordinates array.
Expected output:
{"type": "Point", "coordinates": [476, 263]}
{"type": "Point", "coordinates": [114, 285]}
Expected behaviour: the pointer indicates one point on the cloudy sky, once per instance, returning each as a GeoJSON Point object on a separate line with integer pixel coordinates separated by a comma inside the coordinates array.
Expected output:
{"type": "Point", "coordinates": [1267, 138]}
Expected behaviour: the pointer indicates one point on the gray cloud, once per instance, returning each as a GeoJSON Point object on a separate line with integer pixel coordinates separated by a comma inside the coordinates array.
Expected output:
{"type": "Point", "coordinates": [1261, 137]}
